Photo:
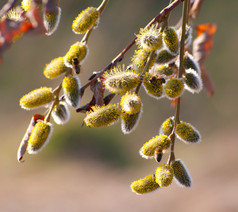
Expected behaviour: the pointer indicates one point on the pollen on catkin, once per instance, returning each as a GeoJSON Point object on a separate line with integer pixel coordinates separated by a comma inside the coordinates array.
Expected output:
{"type": "Point", "coordinates": [144, 185]}
{"type": "Point", "coordinates": [164, 175]}
{"type": "Point", "coordinates": [170, 40]}
{"type": "Point", "coordinates": [119, 81]}
{"type": "Point", "coordinates": [51, 21]}
{"type": "Point", "coordinates": [153, 85]}
{"type": "Point", "coordinates": [55, 68]}
{"type": "Point", "coordinates": [36, 98]}
{"type": "Point", "coordinates": [164, 56]}
{"type": "Point", "coordinates": [130, 103]}
{"type": "Point", "coordinates": [39, 137]}
{"type": "Point", "coordinates": [149, 38]}
{"type": "Point", "coordinates": [192, 81]}
{"type": "Point", "coordinates": [187, 133]}
{"type": "Point", "coordinates": [71, 86]}
{"type": "Point", "coordinates": [190, 63]}
{"type": "Point", "coordinates": [102, 116]}
{"type": "Point", "coordinates": [61, 113]}
{"type": "Point", "coordinates": [85, 20]}
{"type": "Point", "coordinates": [27, 4]}
{"type": "Point", "coordinates": [162, 141]}
{"type": "Point", "coordinates": [181, 174]}
{"type": "Point", "coordinates": [77, 50]}
{"type": "Point", "coordinates": [167, 126]}
{"type": "Point", "coordinates": [173, 88]}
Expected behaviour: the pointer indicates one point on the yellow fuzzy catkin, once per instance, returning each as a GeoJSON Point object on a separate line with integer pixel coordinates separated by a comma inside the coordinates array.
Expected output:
{"type": "Point", "coordinates": [77, 50]}
{"type": "Point", "coordinates": [148, 149]}
{"type": "Point", "coordinates": [39, 137]}
{"type": "Point", "coordinates": [51, 21]}
{"type": "Point", "coordinates": [164, 70]}
{"type": "Point", "coordinates": [164, 175]}
{"type": "Point", "coordinates": [36, 98]}
{"type": "Point", "coordinates": [102, 116]}
{"type": "Point", "coordinates": [144, 185]}
{"type": "Point", "coordinates": [173, 88]}
{"type": "Point", "coordinates": [85, 20]}
{"type": "Point", "coordinates": [130, 103]}
{"type": "Point", "coordinates": [170, 40]}
{"type": "Point", "coordinates": [55, 68]}
{"type": "Point", "coordinates": [27, 4]}
{"type": "Point", "coordinates": [167, 126]}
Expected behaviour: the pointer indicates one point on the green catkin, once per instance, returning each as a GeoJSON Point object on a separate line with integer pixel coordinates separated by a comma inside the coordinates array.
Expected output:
{"type": "Point", "coordinates": [190, 63]}
{"type": "Point", "coordinates": [173, 88]}
{"type": "Point", "coordinates": [164, 56]}
{"type": "Point", "coordinates": [39, 137]}
{"type": "Point", "coordinates": [36, 98]}
{"type": "Point", "coordinates": [153, 85]}
{"type": "Point", "coordinates": [187, 133]}
{"type": "Point", "coordinates": [71, 87]}
{"type": "Point", "coordinates": [55, 68]}
{"type": "Point", "coordinates": [129, 121]}
{"type": "Point", "coordinates": [61, 113]}
{"type": "Point", "coordinates": [51, 21]}
{"type": "Point", "coordinates": [170, 40]}
{"type": "Point", "coordinates": [164, 175]}
{"type": "Point", "coordinates": [131, 103]}
{"type": "Point", "coordinates": [192, 81]}
{"type": "Point", "coordinates": [85, 20]}
{"type": "Point", "coordinates": [144, 185]}
{"type": "Point", "coordinates": [167, 126]}
{"type": "Point", "coordinates": [77, 50]}
{"type": "Point", "coordinates": [148, 149]}
{"type": "Point", "coordinates": [181, 174]}
{"type": "Point", "coordinates": [119, 81]}
{"type": "Point", "coordinates": [102, 116]}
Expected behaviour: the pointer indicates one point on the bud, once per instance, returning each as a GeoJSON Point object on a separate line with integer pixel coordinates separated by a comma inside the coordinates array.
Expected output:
{"type": "Point", "coordinates": [77, 50]}
{"type": "Point", "coordinates": [181, 174]}
{"type": "Point", "coordinates": [39, 137]}
{"type": "Point", "coordinates": [187, 133]}
{"type": "Point", "coordinates": [61, 113]}
{"type": "Point", "coordinates": [174, 88]}
{"type": "Point", "coordinates": [129, 121]}
{"type": "Point", "coordinates": [36, 98]}
{"type": "Point", "coordinates": [164, 175]}
{"type": "Point", "coordinates": [71, 87]}
{"type": "Point", "coordinates": [55, 68]}
{"type": "Point", "coordinates": [119, 81]}
{"type": "Point", "coordinates": [170, 40]}
{"type": "Point", "coordinates": [192, 81]}
{"type": "Point", "coordinates": [150, 38]}
{"type": "Point", "coordinates": [102, 116]}
{"type": "Point", "coordinates": [51, 21]}
{"type": "Point", "coordinates": [148, 149]}
{"type": "Point", "coordinates": [164, 56]}
{"type": "Point", "coordinates": [153, 85]}
{"type": "Point", "coordinates": [131, 103]}
{"type": "Point", "coordinates": [166, 70]}
{"type": "Point", "coordinates": [85, 20]}
{"type": "Point", "coordinates": [167, 126]}
{"type": "Point", "coordinates": [144, 185]}
{"type": "Point", "coordinates": [190, 63]}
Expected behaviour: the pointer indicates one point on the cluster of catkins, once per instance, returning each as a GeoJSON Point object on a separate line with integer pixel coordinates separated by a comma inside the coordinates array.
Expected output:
{"type": "Point", "coordinates": [67, 67]}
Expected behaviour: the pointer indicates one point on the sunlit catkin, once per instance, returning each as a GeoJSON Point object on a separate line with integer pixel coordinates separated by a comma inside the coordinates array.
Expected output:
{"type": "Point", "coordinates": [28, 5]}
{"type": "Point", "coordinates": [187, 133]}
{"type": "Point", "coordinates": [85, 20]}
{"type": "Point", "coordinates": [51, 21]}
{"type": "Point", "coordinates": [144, 185]}
{"type": "Point", "coordinates": [36, 98]}
{"type": "Point", "coordinates": [170, 40]}
{"type": "Point", "coordinates": [181, 174]}
{"type": "Point", "coordinates": [164, 175]}
{"type": "Point", "coordinates": [129, 121]}
{"type": "Point", "coordinates": [148, 149]}
{"type": "Point", "coordinates": [173, 88]}
{"type": "Point", "coordinates": [192, 81]}
{"type": "Point", "coordinates": [39, 137]}
{"type": "Point", "coordinates": [61, 113]}
{"type": "Point", "coordinates": [102, 116]}
{"type": "Point", "coordinates": [166, 70]}
{"type": "Point", "coordinates": [130, 103]}
{"type": "Point", "coordinates": [167, 126]}
{"type": "Point", "coordinates": [55, 68]}
{"type": "Point", "coordinates": [164, 56]}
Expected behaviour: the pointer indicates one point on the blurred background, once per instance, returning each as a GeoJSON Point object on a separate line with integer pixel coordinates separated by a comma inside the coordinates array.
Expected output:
{"type": "Point", "coordinates": [84, 169]}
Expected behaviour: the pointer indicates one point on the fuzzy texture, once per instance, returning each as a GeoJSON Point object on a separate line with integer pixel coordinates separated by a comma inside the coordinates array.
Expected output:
{"type": "Point", "coordinates": [167, 126]}
{"type": "Point", "coordinates": [60, 113]}
{"type": "Point", "coordinates": [192, 81]}
{"type": "Point", "coordinates": [102, 116]}
{"type": "Point", "coordinates": [119, 81]}
{"type": "Point", "coordinates": [39, 137]}
{"type": "Point", "coordinates": [130, 103]}
{"type": "Point", "coordinates": [187, 133]}
{"type": "Point", "coordinates": [164, 56]}
{"type": "Point", "coordinates": [51, 21]}
{"type": "Point", "coordinates": [164, 175]}
{"type": "Point", "coordinates": [164, 70]}
{"type": "Point", "coordinates": [27, 5]}
{"type": "Point", "coordinates": [153, 85]}
{"type": "Point", "coordinates": [144, 185]}
{"type": "Point", "coordinates": [190, 63]}
{"type": "Point", "coordinates": [55, 68]}
{"type": "Point", "coordinates": [170, 40]}
{"type": "Point", "coordinates": [71, 87]}
{"type": "Point", "coordinates": [77, 50]}
{"type": "Point", "coordinates": [85, 20]}
{"type": "Point", "coordinates": [148, 149]}
{"type": "Point", "coordinates": [181, 174]}
{"type": "Point", "coordinates": [36, 98]}
{"type": "Point", "coordinates": [174, 88]}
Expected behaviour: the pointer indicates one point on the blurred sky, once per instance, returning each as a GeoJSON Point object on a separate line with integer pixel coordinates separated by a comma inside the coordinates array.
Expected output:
{"type": "Point", "coordinates": [212, 162]}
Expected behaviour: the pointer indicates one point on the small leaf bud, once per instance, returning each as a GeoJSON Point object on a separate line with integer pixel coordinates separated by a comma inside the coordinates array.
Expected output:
{"type": "Point", "coordinates": [85, 20]}
{"type": "Point", "coordinates": [167, 126]}
{"type": "Point", "coordinates": [187, 133]}
{"type": "Point", "coordinates": [129, 121]}
{"type": "Point", "coordinates": [51, 21]}
{"type": "Point", "coordinates": [144, 185]}
{"type": "Point", "coordinates": [170, 40]}
{"type": "Point", "coordinates": [36, 98]}
{"type": "Point", "coordinates": [61, 113]}
{"type": "Point", "coordinates": [173, 88]}
{"type": "Point", "coordinates": [192, 81]}
{"type": "Point", "coordinates": [102, 116]}
{"type": "Point", "coordinates": [164, 56]}
{"type": "Point", "coordinates": [164, 175]}
{"type": "Point", "coordinates": [131, 103]}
